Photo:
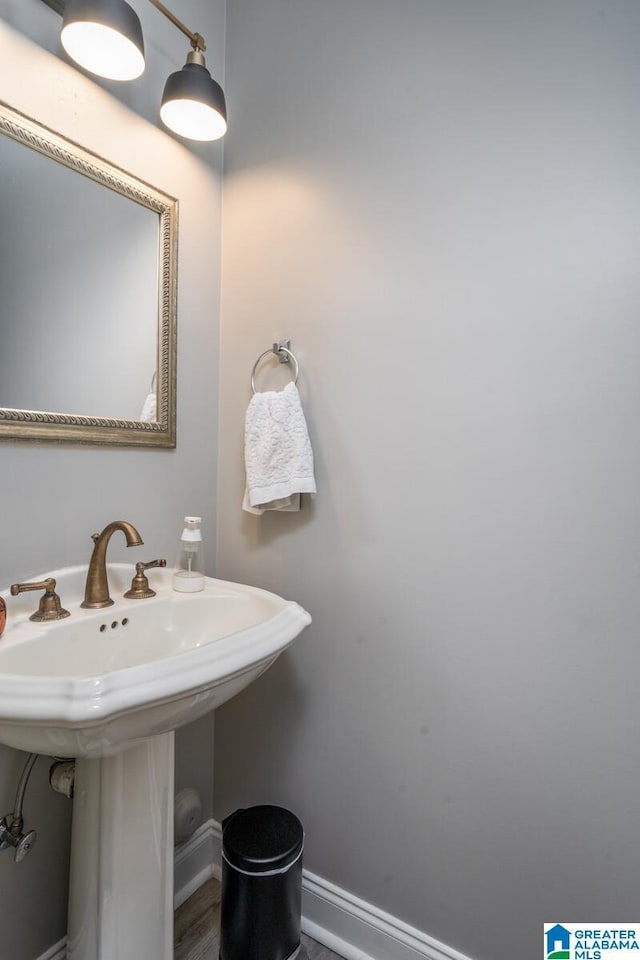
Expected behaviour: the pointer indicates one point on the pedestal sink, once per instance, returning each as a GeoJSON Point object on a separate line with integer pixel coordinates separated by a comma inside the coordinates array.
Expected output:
{"type": "Point", "coordinates": [109, 687]}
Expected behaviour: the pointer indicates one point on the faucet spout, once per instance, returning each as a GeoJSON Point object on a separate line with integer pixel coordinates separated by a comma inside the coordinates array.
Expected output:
{"type": "Point", "coordinates": [96, 591]}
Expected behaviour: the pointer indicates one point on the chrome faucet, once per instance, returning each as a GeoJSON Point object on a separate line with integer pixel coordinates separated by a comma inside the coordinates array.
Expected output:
{"type": "Point", "coordinates": [96, 591]}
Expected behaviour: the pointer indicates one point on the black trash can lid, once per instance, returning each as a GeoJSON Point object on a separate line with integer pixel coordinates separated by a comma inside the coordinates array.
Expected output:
{"type": "Point", "coordinates": [261, 839]}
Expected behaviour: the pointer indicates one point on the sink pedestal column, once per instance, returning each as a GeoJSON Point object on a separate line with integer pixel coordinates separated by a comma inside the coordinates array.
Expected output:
{"type": "Point", "coordinates": [121, 884]}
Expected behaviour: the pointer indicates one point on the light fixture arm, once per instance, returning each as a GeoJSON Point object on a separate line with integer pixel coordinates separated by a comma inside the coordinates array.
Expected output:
{"type": "Point", "coordinates": [197, 41]}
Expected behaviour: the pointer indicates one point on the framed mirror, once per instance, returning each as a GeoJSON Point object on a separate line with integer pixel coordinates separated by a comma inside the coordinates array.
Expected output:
{"type": "Point", "coordinates": [88, 264]}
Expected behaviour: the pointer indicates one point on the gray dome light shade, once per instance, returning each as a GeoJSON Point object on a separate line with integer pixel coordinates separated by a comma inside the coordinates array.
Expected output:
{"type": "Point", "coordinates": [104, 37]}
{"type": "Point", "coordinates": [193, 104]}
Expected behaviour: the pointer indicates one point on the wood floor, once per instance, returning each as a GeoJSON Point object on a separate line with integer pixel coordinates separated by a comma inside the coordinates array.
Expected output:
{"type": "Point", "coordinates": [197, 923]}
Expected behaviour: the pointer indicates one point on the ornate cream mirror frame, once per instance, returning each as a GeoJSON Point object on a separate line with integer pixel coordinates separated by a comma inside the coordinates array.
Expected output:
{"type": "Point", "coordinates": [41, 425]}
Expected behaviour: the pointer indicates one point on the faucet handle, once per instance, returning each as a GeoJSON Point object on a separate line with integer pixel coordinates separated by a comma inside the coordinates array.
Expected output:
{"type": "Point", "coordinates": [49, 607]}
{"type": "Point", "coordinates": [140, 588]}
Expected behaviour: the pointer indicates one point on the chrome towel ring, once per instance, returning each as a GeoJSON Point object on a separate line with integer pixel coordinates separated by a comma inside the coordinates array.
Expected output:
{"type": "Point", "coordinates": [283, 353]}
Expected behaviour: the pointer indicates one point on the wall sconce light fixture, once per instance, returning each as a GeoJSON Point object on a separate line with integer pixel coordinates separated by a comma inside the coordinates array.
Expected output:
{"type": "Point", "coordinates": [105, 37]}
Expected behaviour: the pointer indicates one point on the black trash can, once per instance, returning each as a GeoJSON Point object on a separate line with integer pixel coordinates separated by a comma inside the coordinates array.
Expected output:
{"type": "Point", "coordinates": [261, 885]}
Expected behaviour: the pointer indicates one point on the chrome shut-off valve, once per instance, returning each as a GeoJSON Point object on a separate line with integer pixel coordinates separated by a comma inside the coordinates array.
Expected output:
{"type": "Point", "coordinates": [11, 825]}
{"type": "Point", "coordinates": [11, 835]}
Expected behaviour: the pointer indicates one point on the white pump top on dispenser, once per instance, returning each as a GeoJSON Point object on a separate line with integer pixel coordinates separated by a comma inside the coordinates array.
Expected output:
{"type": "Point", "coordinates": [188, 576]}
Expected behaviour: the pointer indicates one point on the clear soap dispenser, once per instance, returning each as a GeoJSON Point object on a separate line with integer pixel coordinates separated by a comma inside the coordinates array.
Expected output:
{"type": "Point", "coordinates": [188, 576]}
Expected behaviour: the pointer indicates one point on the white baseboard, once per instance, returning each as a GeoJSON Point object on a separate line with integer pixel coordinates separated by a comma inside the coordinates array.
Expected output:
{"type": "Point", "coordinates": [196, 861]}
{"type": "Point", "coordinates": [357, 930]}
{"type": "Point", "coordinates": [351, 927]}
{"type": "Point", "coordinates": [57, 952]}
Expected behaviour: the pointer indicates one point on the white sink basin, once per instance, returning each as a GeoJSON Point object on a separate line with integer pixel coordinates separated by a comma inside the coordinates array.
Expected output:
{"type": "Point", "coordinates": [100, 680]}
{"type": "Point", "coordinates": [109, 687]}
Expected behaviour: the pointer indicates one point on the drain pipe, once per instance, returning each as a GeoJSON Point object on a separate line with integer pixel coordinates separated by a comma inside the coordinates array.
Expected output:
{"type": "Point", "coordinates": [11, 825]}
{"type": "Point", "coordinates": [62, 775]}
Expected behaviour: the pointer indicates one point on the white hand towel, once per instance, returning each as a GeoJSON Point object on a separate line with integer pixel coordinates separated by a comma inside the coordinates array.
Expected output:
{"type": "Point", "coordinates": [277, 452]}
{"type": "Point", "coordinates": [149, 409]}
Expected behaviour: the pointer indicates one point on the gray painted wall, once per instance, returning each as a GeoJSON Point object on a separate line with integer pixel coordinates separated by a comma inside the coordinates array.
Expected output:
{"type": "Point", "coordinates": [56, 496]}
{"type": "Point", "coordinates": [439, 203]}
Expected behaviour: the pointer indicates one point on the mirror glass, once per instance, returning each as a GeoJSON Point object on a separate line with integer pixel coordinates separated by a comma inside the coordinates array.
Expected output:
{"type": "Point", "coordinates": [87, 305]}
